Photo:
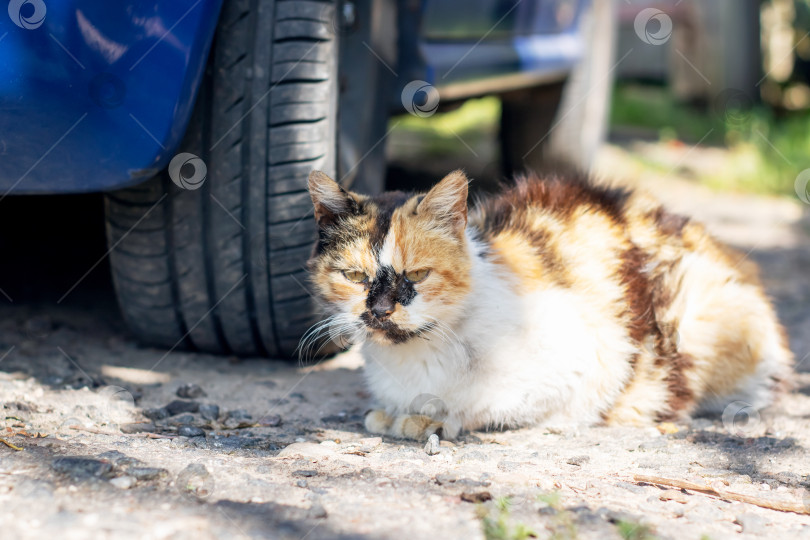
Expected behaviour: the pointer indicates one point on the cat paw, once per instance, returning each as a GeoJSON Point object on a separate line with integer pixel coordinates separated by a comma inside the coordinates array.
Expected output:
{"type": "Point", "coordinates": [378, 421]}
{"type": "Point", "coordinates": [416, 426]}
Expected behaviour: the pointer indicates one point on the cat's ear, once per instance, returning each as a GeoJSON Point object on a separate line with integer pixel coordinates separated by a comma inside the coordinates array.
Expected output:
{"type": "Point", "coordinates": [447, 201]}
{"type": "Point", "coordinates": [330, 200]}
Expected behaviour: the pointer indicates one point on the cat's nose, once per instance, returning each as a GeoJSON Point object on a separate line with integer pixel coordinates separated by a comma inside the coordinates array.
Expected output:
{"type": "Point", "coordinates": [382, 308]}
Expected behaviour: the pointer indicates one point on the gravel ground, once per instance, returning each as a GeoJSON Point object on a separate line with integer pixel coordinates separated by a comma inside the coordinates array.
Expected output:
{"type": "Point", "coordinates": [108, 438]}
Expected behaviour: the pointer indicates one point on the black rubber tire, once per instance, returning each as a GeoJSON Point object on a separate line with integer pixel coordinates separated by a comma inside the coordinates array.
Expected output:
{"type": "Point", "coordinates": [222, 268]}
{"type": "Point", "coordinates": [566, 122]}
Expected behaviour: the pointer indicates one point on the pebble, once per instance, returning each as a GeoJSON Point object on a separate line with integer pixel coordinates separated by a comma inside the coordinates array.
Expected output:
{"type": "Point", "coordinates": [190, 431]}
{"type": "Point", "coordinates": [271, 420]}
{"type": "Point", "coordinates": [316, 511]}
{"type": "Point", "coordinates": [444, 479]}
{"type": "Point", "coordinates": [240, 414]}
{"type": "Point", "coordinates": [306, 450]}
{"type": "Point", "coordinates": [82, 467]}
{"type": "Point", "coordinates": [138, 427]}
{"type": "Point", "coordinates": [118, 459]}
{"type": "Point", "coordinates": [301, 483]}
{"type": "Point", "coordinates": [179, 406]}
{"type": "Point", "coordinates": [476, 497]}
{"type": "Point", "coordinates": [209, 411]}
{"type": "Point", "coordinates": [190, 391]}
{"type": "Point", "coordinates": [432, 445]}
{"type": "Point", "coordinates": [339, 418]}
{"type": "Point", "coordinates": [159, 413]}
{"type": "Point", "coordinates": [305, 472]}
{"type": "Point", "coordinates": [751, 523]}
{"type": "Point", "coordinates": [182, 420]}
{"type": "Point", "coordinates": [195, 481]}
{"type": "Point", "coordinates": [147, 473]}
{"type": "Point", "coordinates": [578, 460]}
{"type": "Point", "coordinates": [123, 482]}
{"type": "Point", "coordinates": [238, 419]}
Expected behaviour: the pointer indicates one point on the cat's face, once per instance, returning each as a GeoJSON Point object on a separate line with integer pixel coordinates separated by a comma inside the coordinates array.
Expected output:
{"type": "Point", "coordinates": [391, 268]}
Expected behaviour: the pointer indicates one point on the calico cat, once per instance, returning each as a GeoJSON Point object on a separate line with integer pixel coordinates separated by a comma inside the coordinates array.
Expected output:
{"type": "Point", "coordinates": [555, 301]}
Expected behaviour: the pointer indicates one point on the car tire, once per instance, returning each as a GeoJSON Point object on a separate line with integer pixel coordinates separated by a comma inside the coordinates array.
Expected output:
{"type": "Point", "coordinates": [565, 122]}
{"type": "Point", "coordinates": [221, 268]}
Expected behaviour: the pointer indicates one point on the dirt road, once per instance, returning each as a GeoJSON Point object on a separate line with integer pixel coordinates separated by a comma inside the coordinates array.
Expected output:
{"type": "Point", "coordinates": [110, 439]}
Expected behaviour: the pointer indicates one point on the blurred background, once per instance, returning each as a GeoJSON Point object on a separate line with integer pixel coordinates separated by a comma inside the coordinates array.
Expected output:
{"type": "Point", "coordinates": [720, 97]}
{"type": "Point", "coordinates": [709, 110]}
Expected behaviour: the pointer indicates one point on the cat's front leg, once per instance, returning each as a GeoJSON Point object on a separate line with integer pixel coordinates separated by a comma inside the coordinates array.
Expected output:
{"type": "Point", "coordinates": [378, 421]}
{"type": "Point", "coordinates": [410, 426]}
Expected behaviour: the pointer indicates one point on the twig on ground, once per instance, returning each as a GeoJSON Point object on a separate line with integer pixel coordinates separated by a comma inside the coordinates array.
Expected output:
{"type": "Point", "coordinates": [93, 430]}
{"type": "Point", "coordinates": [763, 502]}
{"type": "Point", "coordinates": [140, 435]}
{"type": "Point", "coordinates": [12, 446]}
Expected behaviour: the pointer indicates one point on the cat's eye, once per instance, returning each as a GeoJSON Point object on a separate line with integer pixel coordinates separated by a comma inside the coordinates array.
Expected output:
{"type": "Point", "coordinates": [415, 276]}
{"type": "Point", "coordinates": [355, 276]}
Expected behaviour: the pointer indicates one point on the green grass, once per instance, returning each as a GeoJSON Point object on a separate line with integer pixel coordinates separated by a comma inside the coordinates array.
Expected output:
{"type": "Point", "coordinates": [499, 526]}
{"type": "Point", "coordinates": [443, 133]}
{"type": "Point", "coordinates": [765, 153]}
{"type": "Point", "coordinates": [629, 530]}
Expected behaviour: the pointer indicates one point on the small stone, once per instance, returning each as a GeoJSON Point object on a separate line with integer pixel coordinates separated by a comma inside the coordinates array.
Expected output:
{"type": "Point", "coordinates": [190, 391]}
{"type": "Point", "coordinates": [469, 482]}
{"type": "Point", "coordinates": [301, 483]}
{"type": "Point", "coordinates": [239, 418]}
{"type": "Point", "coordinates": [123, 482]}
{"type": "Point", "coordinates": [444, 479]}
{"type": "Point", "coordinates": [182, 420]}
{"type": "Point", "coordinates": [306, 450]}
{"type": "Point", "coordinates": [147, 473]}
{"type": "Point", "coordinates": [339, 418]}
{"type": "Point", "coordinates": [751, 523]}
{"type": "Point", "coordinates": [138, 427]}
{"type": "Point", "coordinates": [82, 467]}
{"type": "Point", "coordinates": [432, 445]}
{"type": "Point", "coordinates": [476, 497]}
{"type": "Point", "coordinates": [305, 472]}
{"type": "Point", "coordinates": [578, 460]}
{"type": "Point", "coordinates": [159, 413]}
{"type": "Point", "coordinates": [240, 414]}
{"type": "Point", "coordinates": [316, 511]}
{"type": "Point", "coordinates": [178, 406]}
{"type": "Point", "coordinates": [270, 420]}
{"type": "Point", "coordinates": [118, 459]}
{"type": "Point", "coordinates": [617, 516]}
{"type": "Point", "coordinates": [209, 411]}
{"type": "Point", "coordinates": [195, 481]}
{"type": "Point", "coordinates": [190, 431]}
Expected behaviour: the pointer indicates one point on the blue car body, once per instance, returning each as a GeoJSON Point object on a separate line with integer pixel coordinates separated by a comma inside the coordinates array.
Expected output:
{"type": "Point", "coordinates": [96, 95]}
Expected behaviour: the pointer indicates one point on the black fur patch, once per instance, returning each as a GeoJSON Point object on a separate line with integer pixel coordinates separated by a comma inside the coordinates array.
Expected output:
{"type": "Point", "coordinates": [386, 203]}
{"type": "Point", "coordinates": [388, 285]}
